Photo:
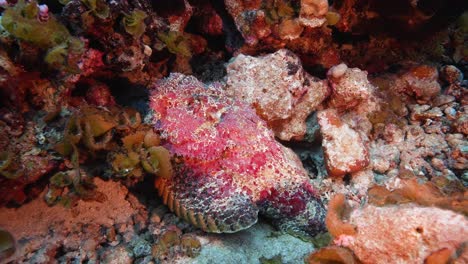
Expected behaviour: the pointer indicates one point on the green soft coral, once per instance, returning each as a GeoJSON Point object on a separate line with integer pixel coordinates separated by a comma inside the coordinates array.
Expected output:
{"type": "Point", "coordinates": [22, 23]}
{"type": "Point", "coordinates": [99, 8]}
{"type": "Point", "coordinates": [176, 42]}
{"type": "Point", "coordinates": [134, 23]}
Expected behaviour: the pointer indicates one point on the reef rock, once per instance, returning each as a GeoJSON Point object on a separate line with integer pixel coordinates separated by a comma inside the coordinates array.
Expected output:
{"type": "Point", "coordinates": [404, 234]}
{"type": "Point", "coordinates": [276, 21]}
{"type": "Point", "coordinates": [344, 150]}
{"type": "Point", "coordinates": [350, 87]}
{"type": "Point", "coordinates": [420, 82]}
{"type": "Point", "coordinates": [313, 12]}
{"type": "Point", "coordinates": [229, 167]}
{"type": "Point", "coordinates": [278, 88]}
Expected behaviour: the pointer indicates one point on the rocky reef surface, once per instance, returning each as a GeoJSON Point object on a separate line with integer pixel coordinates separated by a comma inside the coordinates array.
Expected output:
{"type": "Point", "coordinates": [235, 131]}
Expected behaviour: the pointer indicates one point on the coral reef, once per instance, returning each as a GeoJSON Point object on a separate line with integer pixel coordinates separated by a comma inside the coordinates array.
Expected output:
{"type": "Point", "coordinates": [349, 86]}
{"type": "Point", "coordinates": [343, 148]}
{"type": "Point", "coordinates": [405, 233]}
{"type": "Point", "coordinates": [343, 123]}
{"type": "Point", "coordinates": [229, 166]}
{"type": "Point", "coordinates": [279, 89]}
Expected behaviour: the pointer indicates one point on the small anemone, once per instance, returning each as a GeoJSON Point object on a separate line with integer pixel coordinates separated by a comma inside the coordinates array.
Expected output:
{"type": "Point", "coordinates": [133, 141]}
{"type": "Point", "coordinates": [176, 42]}
{"type": "Point", "coordinates": [150, 162]}
{"type": "Point", "coordinates": [93, 142]}
{"type": "Point", "coordinates": [151, 139]}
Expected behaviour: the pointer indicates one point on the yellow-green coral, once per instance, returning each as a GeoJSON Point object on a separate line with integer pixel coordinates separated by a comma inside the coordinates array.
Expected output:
{"type": "Point", "coordinates": [22, 22]}
{"type": "Point", "coordinates": [159, 158]}
{"type": "Point", "coordinates": [6, 159]}
{"type": "Point", "coordinates": [171, 239]}
{"type": "Point", "coordinates": [190, 245]}
{"type": "Point", "coordinates": [176, 42]}
{"type": "Point", "coordinates": [134, 23]}
{"type": "Point", "coordinates": [98, 8]}
{"type": "Point", "coordinates": [117, 135]}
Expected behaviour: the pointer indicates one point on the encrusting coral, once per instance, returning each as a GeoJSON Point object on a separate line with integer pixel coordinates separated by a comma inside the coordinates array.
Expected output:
{"type": "Point", "coordinates": [344, 150]}
{"type": "Point", "coordinates": [371, 96]}
{"type": "Point", "coordinates": [23, 21]}
{"type": "Point", "coordinates": [279, 89]}
{"type": "Point", "coordinates": [229, 167]}
{"type": "Point", "coordinates": [406, 225]}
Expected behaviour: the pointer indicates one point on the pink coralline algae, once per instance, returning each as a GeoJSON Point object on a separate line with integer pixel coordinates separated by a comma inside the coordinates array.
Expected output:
{"type": "Point", "coordinates": [350, 87]}
{"type": "Point", "coordinates": [344, 150]}
{"type": "Point", "coordinates": [228, 166]}
{"type": "Point", "coordinates": [404, 234]}
{"type": "Point", "coordinates": [420, 81]}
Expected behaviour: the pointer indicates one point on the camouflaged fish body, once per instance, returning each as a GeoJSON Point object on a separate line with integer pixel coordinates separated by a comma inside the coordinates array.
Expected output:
{"type": "Point", "coordinates": [228, 166]}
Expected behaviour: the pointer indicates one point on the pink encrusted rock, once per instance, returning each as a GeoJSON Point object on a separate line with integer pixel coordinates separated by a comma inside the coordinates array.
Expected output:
{"type": "Point", "coordinates": [313, 12]}
{"type": "Point", "coordinates": [350, 87]}
{"type": "Point", "coordinates": [344, 150]}
{"type": "Point", "coordinates": [404, 233]}
{"type": "Point", "coordinates": [229, 167]}
{"type": "Point", "coordinates": [420, 81]}
{"type": "Point", "coordinates": [278, 88]}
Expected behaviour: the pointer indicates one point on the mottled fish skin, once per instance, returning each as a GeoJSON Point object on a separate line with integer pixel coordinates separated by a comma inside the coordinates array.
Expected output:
{"type": "Point", "coordinates": [228, 166]}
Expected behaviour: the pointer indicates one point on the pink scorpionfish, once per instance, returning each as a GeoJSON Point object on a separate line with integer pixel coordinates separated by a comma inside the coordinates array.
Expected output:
{"type": "Point", "coordinates": [228, 167]}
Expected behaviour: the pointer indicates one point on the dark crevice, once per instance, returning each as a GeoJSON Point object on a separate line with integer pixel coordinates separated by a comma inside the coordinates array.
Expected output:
{"type": "Point", "coordinates": [129, 95]}
{"type": "Point", "coordinates": [233, 38]}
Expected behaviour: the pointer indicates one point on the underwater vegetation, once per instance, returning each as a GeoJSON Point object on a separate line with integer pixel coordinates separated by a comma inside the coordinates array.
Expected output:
{"type": "Point", "coordinates": [129, 130]}
{"type": "Point", "coordinates": [117, 136]}
{"type": "Point", "coordinates": [30, 22]}
{"type": "Point", "coordinates": [172, 240]}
